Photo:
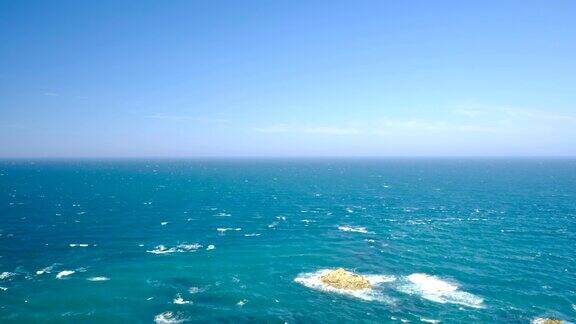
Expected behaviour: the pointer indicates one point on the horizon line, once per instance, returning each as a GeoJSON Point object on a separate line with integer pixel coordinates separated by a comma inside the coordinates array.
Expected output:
{"type": "Point", "coordinates": [286, 157]}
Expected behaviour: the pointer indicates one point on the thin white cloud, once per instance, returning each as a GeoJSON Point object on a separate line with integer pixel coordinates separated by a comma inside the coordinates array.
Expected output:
{"type": "Point", "coordinates": [511, 113]}
{"type": "Point", "coordinates": [435, 126]}
{"type": "Point", "coordinates": [459, 122]}
{"type": "Point", "coordinates": [331, 130]}
{"type": "Point", "coordinates": [540, 115]}
{"type": "Point", "coordinates": [469, 112]}
{"type": "Point", "coordinates": [182, 118]}
{"type": "Point", "coordinates": [272, 129]}
{"type": "Point", "coordinates": [322, 130]}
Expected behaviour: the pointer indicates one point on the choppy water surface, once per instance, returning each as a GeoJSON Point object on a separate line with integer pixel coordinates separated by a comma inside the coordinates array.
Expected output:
{"type": "Point", "coordinates": [246, 240]}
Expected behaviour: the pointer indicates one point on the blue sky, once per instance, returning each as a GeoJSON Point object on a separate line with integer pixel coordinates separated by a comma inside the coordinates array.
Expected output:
{"type": "Point", "coordinates": [287, 78]}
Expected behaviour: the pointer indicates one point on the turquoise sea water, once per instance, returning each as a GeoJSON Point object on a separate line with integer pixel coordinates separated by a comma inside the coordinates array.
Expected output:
{"type": "Point", "coordinates": [473, 241]}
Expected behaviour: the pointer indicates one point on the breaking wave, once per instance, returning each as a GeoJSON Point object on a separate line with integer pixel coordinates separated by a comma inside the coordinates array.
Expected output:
{"type": "Point", "coordinates": [437, 290]}
{"type": "Point", "coordinates": [169, 318]}
{"type": "Point", "coordinates": [222, 230]}
{"type": "Point", "coordinates": [64, 273]}
{"type": "Point", "coordinates": [426, 286]}
{"type": "Point", "coordinates": [78, 245]}
{"type": "Point", "coordinates": [356, 229]}
{"type": "Point", "coordinates": [181, 248]}
{"type": "Point", "coordinates": [5, 275]}
{"type": "Point", "coordinates": [180, 301]}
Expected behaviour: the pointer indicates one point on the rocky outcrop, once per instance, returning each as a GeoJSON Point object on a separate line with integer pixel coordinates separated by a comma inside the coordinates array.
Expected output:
{"type": "Point", "coordinates": [343, 279]}
{"type": "Point", "coordinates": [552, 321]}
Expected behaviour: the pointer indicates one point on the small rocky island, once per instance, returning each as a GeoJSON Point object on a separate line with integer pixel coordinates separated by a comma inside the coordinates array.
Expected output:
{"type": "Point", "coordinates": [343, 279]}
{"type": "Point", "coordinates": [552, 321]}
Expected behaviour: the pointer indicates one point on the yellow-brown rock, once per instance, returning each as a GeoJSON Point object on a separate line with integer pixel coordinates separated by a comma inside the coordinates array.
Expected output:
{"type": "Point", "coordinates": [343, 279]}
{"type": "Point", "coordinates": [552, 321]}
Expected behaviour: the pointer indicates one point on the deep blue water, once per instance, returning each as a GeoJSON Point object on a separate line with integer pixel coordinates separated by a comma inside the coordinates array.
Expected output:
{"type": "Point", "coordinates": [452, 240]}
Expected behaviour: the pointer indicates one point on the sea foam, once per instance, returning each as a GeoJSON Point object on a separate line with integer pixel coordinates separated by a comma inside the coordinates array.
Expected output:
{"type": "Point", "coordinates": [222, 230]}
{"type": "Point", "coordinates": [169, 318]}
{"type": "Point", "coordinates": [5, 275]}
{"type": "Point", "coordinates": [437, 290]}
{"type": "Point", "coordinates": [64, 273]}
{"type": "Point", "coordinates": [540, 320]}
{"type": "Point", "coordinates": [44, 270]}
{"type": "Point", "coordinates": [242, 302]}
{"type": "Point", "coordinates": [180, 301]}
{"type": "Point", "coordinates": [357, 229]}
{"type": "Point", "coordinates": [78, 245]}
{"type": "Point", "coordinates": [181, 248]}
{"type": "Point", "coordinates": [313, 280]}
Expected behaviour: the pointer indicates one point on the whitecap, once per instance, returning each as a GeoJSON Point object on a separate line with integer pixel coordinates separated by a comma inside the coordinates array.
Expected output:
{"type": "Point", "coordinates": [273, 224]}
{"type": "Point", "coordinates": [78, 245]}
{"type": "Point", "coordinates": [45, 270]}
{"type": "Point", "coordinates": [223, 214]}
{"type": "Point", "coordinates": [357, 229]}
{"type": "Point", "coordinates": [437, 290]}
{"type": "Point", "coordinates": [161, 249]}
{"type": "Point", "coordinates": [5, 275]}
{"type": "Point", "coordinates": [427, 320]}
{"type": "Point", "coordinates": [188, 247]}
{"type": "Point", "coordinates": [164, 223]}
{"type": "Point", "coordinates": [210, 247]}
{"type": "Point", "coordinates": [3, 288]}
{"type": "Point", "coordinates": [242, 302]}
{"type": "Point", "coordinates": [194, 290]}
{"type": "Point", "coordinates": [64, 273]}
{"type": "Point", "coordinates": [223, 230]}
{"type": "Point", "coordinates": [313, 280]}
{"type": "Point", "coordinates": [181, 248]}
{"type": "Point", "coordinates": [252, 234]}
{"type": "Point", "coordinates": [180, 301]}
{"type": "Point", "coordinates": [98, 279]}
{"type": "Point", "coordinates": [168, 318]}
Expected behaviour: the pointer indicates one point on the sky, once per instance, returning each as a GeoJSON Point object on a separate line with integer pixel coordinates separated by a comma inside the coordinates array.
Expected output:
{"type": "Point", "coordinates": [287, 78]}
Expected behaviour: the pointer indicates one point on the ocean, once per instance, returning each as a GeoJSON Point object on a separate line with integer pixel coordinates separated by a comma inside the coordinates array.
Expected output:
{"type": "Point", "coordinates": [245, 240]}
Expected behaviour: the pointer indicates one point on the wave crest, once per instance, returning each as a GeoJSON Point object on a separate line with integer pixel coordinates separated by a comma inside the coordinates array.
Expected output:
{"type": "Point", "coordinates": [437, 290]}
